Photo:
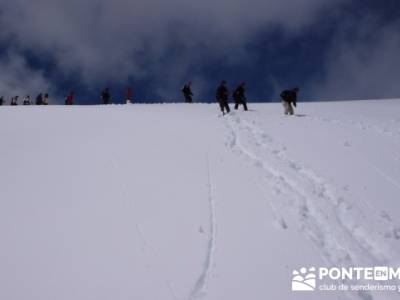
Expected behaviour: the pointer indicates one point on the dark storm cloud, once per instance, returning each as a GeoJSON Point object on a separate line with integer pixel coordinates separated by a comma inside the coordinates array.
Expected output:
{"type": "Point", "coordinates": [109, 41]}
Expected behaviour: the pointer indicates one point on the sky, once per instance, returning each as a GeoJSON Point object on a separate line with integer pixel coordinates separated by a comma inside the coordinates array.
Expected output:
{"type": "Point", "coordinates": [331, 49]}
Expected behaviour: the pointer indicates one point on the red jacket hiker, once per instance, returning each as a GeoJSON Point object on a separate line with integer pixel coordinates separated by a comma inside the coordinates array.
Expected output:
{"type": "Point", "coordinates": [70, 99]}
{"type": "Point", "coordinates": [129, 95]}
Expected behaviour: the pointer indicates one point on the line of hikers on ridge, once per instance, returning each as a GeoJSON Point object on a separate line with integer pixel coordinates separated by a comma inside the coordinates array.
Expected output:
{"type": "Point", "coordinates": [41, 99]}
{"type": "Point", "coordinates": [289, 97]}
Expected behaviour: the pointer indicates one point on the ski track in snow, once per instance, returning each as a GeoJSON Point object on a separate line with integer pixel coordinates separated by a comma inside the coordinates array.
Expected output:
{"type": "Point", "coordinates": [394, 231]}
{"type": "Point", "coordinates": [382, 173]}
{"type": "Point", "coordinates": [199, 290]}
{"type": "Point", "coordinates": [344, 234]}
{"type": "Point", "coordinates": [279, 219]}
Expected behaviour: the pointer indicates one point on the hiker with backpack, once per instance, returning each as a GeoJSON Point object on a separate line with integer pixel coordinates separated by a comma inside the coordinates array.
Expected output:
{"type": "Point", "coordinates": [105, 96]}
{"type": "Point", "coordinates": [27, 100]}
{"type": "Point", "coordinates": [187, 92]}
{"type": "Point", "coordinates": [222, 96]}
{"type": "Point", "coordinates": [1, 100]}
{"type": "Point", "coordinates": [289, 99]}
{"type": "Point", "coordinates": [240, 97]}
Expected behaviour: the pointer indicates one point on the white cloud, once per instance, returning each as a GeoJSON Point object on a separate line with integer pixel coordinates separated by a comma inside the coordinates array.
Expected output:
{"type": "Point", "coordinates": [17, 78]}
{"type": "Point", "coordinates": [362, 64]}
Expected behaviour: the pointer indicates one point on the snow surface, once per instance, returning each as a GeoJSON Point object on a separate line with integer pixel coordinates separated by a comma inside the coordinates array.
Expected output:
{"type": "Point", "coordinates": [175, 202]}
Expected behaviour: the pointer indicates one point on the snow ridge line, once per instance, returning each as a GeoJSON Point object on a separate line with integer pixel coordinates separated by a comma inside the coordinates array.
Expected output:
{"type": "Point", "coordinates": [322, 215]}
{"type": "Point", "coordinates": [200, 287]}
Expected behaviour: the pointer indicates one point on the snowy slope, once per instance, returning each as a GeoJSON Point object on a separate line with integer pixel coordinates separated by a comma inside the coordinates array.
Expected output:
{"type": "Point", "coordinates": [173, 202]}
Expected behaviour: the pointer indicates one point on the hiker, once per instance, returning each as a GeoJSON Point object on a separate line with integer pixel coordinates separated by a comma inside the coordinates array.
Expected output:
{"type": "Point", "coordinates": [46, 99]}
{"type": "Point", "coordinates": [1, 100]}
{"type": "Point", "coordinates": [187, 92]}
{"type": "Point", "coordinates": [69, 100]}
{"type": "Point", "coordinates": [222, 97]}
{"type": "Point", "coordinates": [14, 101]}
{"type": "Point", "coordinates": [129, 95]}
{"type": "Point", "coordinates": [105, 96]}
{"type": "Point", "coordinates": [27, 100]}
{"type": "Point", "coordinates": [240, 97]}
{"type": "Point", "coordinates": [289, 98]}
{"type": "Point", "coordinates": [39, 99]}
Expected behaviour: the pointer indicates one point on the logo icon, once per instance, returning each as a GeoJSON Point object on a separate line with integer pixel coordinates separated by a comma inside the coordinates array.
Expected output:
{"type": "Point", "coordinates": [305, 280]}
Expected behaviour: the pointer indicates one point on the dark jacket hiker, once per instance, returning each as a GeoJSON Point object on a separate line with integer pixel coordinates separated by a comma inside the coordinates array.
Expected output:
{"type": "Point", "coordinates": [187, 92]}
{"type": "Point", "coordinates": [14, 101]}
{"type": "Point", "coordinates": [106, 96]}
{"type": "Point", "coordinates": [289, 98]}
{"type": "Point", "coordinates": [39, 99]}
{"type": "Point", "coordinates": [240, 97]}
{"type": "Point", "coordinates": [1, 101]}
{"type": "Point", "coordinates": [222, 96]}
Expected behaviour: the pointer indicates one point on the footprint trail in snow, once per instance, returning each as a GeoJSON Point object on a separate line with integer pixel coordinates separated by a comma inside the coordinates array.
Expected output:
{"type": "Point", "coordinates": [345, 235]}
